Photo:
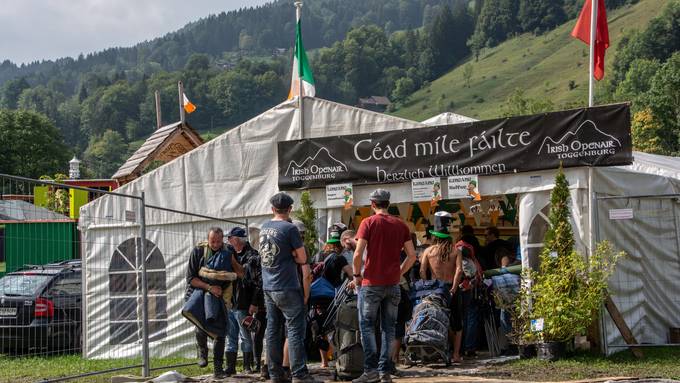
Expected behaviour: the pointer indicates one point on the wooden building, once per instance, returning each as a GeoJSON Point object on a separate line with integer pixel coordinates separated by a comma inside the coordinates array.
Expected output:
{"type": "Point", "coordinates": [166, 144]}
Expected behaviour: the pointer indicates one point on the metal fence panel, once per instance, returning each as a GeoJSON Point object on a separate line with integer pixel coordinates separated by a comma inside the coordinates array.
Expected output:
{"type": "Point", "coordinates": [72, 291]}
{"type": "Point", "coordinates": [645, 284]}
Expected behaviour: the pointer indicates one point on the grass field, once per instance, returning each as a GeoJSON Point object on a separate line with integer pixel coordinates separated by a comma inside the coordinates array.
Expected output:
{"type": "Point", "coordinates": [542, 66]}
{"type": "Point", "coordinates": [24, 370]}
{"type": "Point", "coordinates": [657, 363]}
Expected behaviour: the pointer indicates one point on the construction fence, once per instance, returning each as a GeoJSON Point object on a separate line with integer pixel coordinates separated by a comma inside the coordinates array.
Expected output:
{"type": "Point", "coordinates": [646, 281]}
{"type": "Point", "coordinates": [108, 285]}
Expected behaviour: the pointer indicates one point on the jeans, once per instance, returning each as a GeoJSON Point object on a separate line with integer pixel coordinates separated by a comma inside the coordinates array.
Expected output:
{"type": "Point", "coordinates": [470, 322]}
{"type": "Point", "coordinates": [286, 307]}
{"type": "Point", "coordinates": [236, 332]}
{"type": "Point", "coordinates": [372, 298]}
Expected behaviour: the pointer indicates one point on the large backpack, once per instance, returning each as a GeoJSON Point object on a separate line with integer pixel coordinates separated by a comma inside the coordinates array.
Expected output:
{"type": "Point", "coordinates": [349, 355]}
{"type": "Point", "coordinates": [427, 338]}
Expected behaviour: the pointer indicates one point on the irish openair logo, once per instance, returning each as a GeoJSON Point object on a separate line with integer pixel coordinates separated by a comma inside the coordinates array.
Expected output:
{"type": "Point", "coordinates": [320, 166]}
{"type": "Point", "coordinates": [586, 141]}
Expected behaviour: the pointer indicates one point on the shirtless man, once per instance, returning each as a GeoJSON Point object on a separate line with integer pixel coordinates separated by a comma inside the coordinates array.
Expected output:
{"type": "Point", "coordinates": [442, 260]}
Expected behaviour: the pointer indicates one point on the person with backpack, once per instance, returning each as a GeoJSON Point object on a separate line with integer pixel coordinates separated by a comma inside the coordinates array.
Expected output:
{"type": "Point", "coordinates": [383, 236]}
{"type": "Point", "coordinates": [442, 261]}
{"type": "Point", "coordinates": [281, 251]}
{"type": "Point", "coordinates": [467, 284]}
{"type": "Point", "coordinates": [328, 275]}
{"type": "Point", "coordinates": [209, 271]}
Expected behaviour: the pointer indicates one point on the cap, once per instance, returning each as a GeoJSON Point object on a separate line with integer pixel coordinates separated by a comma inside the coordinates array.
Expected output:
{"type": "Point", "coordinates": [237, 232]}
{"type": "Point", "coordinates": [281, 200]}
{"type": "Point", "coordinates": [334, 237]}
{"type": "Point", "coordinates": [300, 226]}
{"type": "Point", "coordinates": [442, 220]}
{"type": "Point", "coordinates": [380, 195]}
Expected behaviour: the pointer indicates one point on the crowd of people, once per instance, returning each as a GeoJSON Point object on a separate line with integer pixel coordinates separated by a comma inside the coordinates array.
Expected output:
{"type": "Point", "coordinates": [265, 292]}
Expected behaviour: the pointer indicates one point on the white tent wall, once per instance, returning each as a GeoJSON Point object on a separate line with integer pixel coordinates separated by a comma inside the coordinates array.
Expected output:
{"type": "Point", "coordinates": [174, 241]}
{"type": "Point", "coordinates": [233, 176]}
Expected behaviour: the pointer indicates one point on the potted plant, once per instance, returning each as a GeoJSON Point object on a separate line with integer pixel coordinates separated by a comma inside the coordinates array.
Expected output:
{"type": "Point", "coordinates": [520, 334]}
{"type": "Point", "coordinates": [559, 300]}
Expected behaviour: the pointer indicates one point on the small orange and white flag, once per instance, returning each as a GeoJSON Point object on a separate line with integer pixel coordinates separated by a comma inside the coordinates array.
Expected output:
{"type": "Point", "coordinates": [188, 106]}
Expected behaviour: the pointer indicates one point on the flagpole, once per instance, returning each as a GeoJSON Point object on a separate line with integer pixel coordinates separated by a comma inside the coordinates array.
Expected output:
{"type": "Point", "coordinates": [159, 122]}
{"type": "Point", "coordinates": [298, 15]}
{"type": "Point", "coordinates": [180, 89]}
{"type": "Point", "coordinates": [593, 37]}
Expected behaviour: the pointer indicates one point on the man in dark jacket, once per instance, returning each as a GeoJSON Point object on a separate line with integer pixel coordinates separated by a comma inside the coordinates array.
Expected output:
{"type": "Point", "coordinates": [493, 243]}
{"type": "Point", "coordinates": [248, 300]}
{"type": "Point", "coordinates": [196, 278]}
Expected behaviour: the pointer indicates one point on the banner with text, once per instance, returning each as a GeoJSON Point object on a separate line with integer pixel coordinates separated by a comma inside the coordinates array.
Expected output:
{"type": "Point", "coordinates": [598, 136]}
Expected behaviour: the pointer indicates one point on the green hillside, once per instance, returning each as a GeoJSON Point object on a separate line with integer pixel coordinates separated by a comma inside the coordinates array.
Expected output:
{"type": "Point", "coordinates": [542, 66]}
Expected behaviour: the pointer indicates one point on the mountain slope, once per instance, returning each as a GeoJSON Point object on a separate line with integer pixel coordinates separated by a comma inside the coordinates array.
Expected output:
{"type": "Point", "coordinates": [251, 31]}
{"type": "Point", "coordinates": [542, 66]}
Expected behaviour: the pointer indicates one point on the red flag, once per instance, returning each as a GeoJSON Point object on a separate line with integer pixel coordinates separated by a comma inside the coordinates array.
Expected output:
{"type": "Point", "coordinates": [582, 32]}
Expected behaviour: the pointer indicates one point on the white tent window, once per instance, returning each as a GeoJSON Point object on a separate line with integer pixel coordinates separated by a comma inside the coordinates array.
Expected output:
{"type": "Point", "coordinates": [539, 226]}
{"type": "Point", "coordinates": [125, 293]}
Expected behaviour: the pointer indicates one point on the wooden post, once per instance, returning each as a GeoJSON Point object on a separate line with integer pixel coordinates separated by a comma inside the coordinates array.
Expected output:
{"type": "Point", "coordinates": [622, 326]}
{"type": "Point", "coordinates": [182, 115]}
{"type": "Point", "coordinates": [159, 122]}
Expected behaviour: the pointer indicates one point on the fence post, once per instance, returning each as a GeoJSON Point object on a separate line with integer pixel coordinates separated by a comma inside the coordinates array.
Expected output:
{"type": "Point", "coordinates": [595, 232]}
{"type": "Point", "coordinates": [145, 298]}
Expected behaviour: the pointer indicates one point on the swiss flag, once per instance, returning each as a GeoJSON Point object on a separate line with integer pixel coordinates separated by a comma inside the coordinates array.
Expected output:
{"type": "Point", "coordinates": [582, 32]}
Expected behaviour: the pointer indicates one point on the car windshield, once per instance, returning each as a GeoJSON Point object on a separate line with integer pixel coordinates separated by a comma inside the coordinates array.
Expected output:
{"type": "Point", "coordinates": [22, 284]}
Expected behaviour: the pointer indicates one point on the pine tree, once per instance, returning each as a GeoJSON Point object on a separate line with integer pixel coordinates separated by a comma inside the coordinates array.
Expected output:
{"type": "Point", "coordinates": [307, 214]}
{"type": "Point", "coordinates": [559, 237]}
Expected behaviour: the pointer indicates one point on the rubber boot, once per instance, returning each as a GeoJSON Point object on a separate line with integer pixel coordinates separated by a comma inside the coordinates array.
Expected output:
{"type": "Point", "coordinates": [202, 349]}
{"type": "Point", "coordinates": [248, 362]}
{"type": "Point", "coordinates": [231, 364]}
{"type": "Point", "coordinates": [218, 359]}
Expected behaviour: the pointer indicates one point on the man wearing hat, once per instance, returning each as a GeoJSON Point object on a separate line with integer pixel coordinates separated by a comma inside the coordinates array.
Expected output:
{"type": "Point", "coordinates": [281, 251]}
{"type": "Point", "coordinates": [248, 300]}
{"type": "Point", "coordinates": [442, 261]}
{"type": "Point", "coordinates": [383, 237]}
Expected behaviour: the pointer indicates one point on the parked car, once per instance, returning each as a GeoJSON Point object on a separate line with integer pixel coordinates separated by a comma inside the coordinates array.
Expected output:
{"type": "Point", "coordinates": [40, 309]}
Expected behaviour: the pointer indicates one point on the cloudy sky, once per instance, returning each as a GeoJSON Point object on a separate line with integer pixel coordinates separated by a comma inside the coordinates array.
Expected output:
{"type": "Point", "coordinates": [48, 29]}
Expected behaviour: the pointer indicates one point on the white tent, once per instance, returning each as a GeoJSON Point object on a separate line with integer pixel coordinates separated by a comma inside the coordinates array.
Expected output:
{"type": "Point", "coordinates": [447, 118]}
{"type": "Point", "coordinates": [234, 175]}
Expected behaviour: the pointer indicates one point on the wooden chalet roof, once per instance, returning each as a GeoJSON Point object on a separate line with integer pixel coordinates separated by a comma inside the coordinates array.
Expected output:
{"type": "Point", "coordinates": [165, 144]}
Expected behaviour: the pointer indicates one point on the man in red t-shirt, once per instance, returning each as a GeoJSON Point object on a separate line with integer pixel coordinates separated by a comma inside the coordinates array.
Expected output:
{"type": "Point", "coordinates": [383, 236]}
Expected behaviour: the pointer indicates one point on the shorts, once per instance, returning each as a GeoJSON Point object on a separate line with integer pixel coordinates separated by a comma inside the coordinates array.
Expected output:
{"type": "Point", "coordinates": [456, 314]}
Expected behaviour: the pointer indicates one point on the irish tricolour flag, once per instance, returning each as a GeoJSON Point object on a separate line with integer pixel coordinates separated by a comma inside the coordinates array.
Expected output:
{"type": "Point", "coordinates": [301, 68]}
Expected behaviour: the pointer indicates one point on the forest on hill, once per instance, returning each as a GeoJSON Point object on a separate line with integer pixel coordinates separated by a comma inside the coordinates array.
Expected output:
{"type": "Point", "coordinates": [237, 64]}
